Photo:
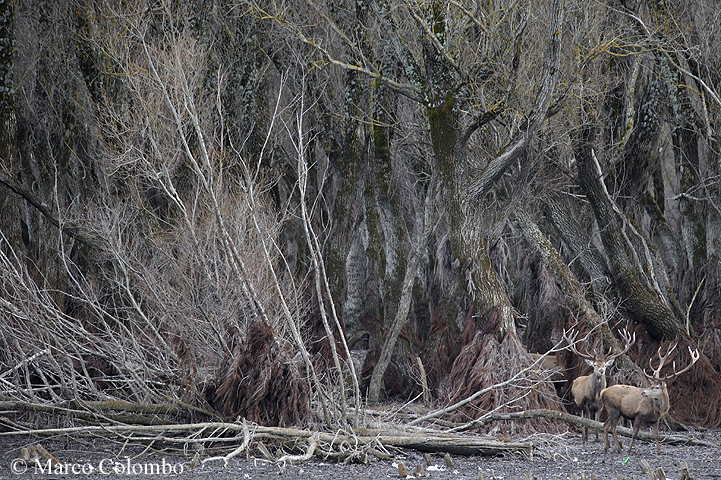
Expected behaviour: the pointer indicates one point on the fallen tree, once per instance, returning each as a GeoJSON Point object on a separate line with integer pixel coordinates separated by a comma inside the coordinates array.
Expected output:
{"type": "Point", "coordinates": [581, 422]}
{"type": "Point", "coordinates": [337, 445]}
{"type": "Point", "coordinates": [224, 440]}
{"type": "Point", "coordinates": [119, 411]}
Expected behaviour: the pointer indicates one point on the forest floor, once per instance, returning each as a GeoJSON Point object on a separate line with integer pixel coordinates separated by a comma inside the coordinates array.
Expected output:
{"type": "Point", "coordinates": [562, 456]}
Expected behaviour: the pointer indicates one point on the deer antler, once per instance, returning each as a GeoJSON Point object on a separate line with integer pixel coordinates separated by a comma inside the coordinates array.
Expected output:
{"type": "Point", "coordinates": [629, 339]}
{"type": "Point", "coordinates": [570, 337]}
{"type": "Point", "coordinates": [662, 359]}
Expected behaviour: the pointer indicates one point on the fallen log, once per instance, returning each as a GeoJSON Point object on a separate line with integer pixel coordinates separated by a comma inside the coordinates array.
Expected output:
{"type": "Point", "coordinates": [460, 445]}
{"type": "Point", "coordinates": [426, 441]}
{"type": "Point", "coordinates": [421, 439]}
{"type": "Point", "coordinates": [582, 422]}
{"type": "Point", "coordinates": [114, 410]}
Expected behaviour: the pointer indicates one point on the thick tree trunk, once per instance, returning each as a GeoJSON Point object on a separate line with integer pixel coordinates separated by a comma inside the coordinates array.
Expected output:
{"type": "Point", "coordinates": [344, 262]}
{"type": "Point", "coordinates": [404, 304]}
{"type": "Point", "coordinates": [575, 296]}
{"type": "Point", "coordinates": [640, 301]}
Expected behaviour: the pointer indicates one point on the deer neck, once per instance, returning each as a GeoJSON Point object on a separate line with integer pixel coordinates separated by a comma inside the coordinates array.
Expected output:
{"type": "Point", "coordinates": [663, 400]}
{"type": "Point", "coordinates": [659, 401]}
{"type": "Point", "coordinates": [599, 383]}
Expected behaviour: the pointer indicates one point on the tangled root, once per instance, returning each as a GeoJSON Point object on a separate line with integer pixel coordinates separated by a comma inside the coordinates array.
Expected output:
{"type": "Point", "coordinates": [260, 382]}
{"type": "Point", "coordinates": [485, 362]}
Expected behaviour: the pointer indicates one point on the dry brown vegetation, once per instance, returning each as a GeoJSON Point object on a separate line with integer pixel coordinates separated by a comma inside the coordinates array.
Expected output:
{"type": "Point", "coordinates": [276, 214]}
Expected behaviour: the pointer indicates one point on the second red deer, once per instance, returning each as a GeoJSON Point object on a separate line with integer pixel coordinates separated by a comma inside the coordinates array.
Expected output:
{"type": "Point", "coordinates": [644, 406]}
{"type": "Point", "coordinates": [586, 390]}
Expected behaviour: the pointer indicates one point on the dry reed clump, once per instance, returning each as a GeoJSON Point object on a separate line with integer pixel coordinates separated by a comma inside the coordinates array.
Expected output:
{"type": "Point", "coordinates": [485, 362]}
{"type": "Point", "coordinates": [260, 382]}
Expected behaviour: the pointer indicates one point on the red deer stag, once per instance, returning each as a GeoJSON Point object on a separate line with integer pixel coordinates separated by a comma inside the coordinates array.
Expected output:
{"type": "Point", "coordinates": [643, 406]}
{"type": "Point", "coordinates": [586, 390]}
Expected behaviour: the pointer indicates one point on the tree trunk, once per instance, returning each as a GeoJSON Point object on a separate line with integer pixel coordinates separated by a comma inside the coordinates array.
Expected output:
{"type": "Point", "coordinates": [401, 314]}
{"type": "Point", "coordinates": [641, 303]}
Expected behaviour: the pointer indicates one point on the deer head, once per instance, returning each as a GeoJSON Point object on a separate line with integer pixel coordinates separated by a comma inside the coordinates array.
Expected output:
{"type": "Point", "coordinates": [656, 376]}
{"type": "Point", "coordinates": [599, 362]}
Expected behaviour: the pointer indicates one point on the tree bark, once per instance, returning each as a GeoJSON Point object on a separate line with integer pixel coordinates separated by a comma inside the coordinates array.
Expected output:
{"type": "Point", "coordinates": [33, 199]}
{"type": "Point", "coordinates": [404, 305]}
{"type": "Point", "coordinates": [578, 243]}
{"type": "Point", "coordinates": [514, 150]}
{"type": "Point", "coordinates": [563, 275]}
{"type": "Point", "coordinates": [640, 302]}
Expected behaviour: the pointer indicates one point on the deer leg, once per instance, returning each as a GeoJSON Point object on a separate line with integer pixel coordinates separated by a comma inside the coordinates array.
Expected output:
{"type": "Point", "coordinates": [606, 426]}
{"type": "Point", "coordinates": [636, 426]}
{"type": "Point", "coordinates": [585, 429]}
{"type": "Point", "coordinates": [615, 438]}
{"type": "Point", "coordinates": [611, 423]}
{"type": "Point", "coordinates": [598, 419]}
{"type": "Point", "coordinates": [655, 434]}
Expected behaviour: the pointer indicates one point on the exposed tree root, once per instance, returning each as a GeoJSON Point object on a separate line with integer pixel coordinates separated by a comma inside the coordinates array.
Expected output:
{"type": "Point", "coordinates": [485, 362]}
{"type": "Point", "coordinates": [240, 449]}
{"type": "Point", "coordinates": [696, 395]}
{"type": "Point", "coordinates": [260, 382]}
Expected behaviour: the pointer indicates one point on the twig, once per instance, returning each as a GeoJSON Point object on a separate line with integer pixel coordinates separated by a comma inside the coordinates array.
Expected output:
{"type": "Point", "coordinates": [648, 33]}
{"type": "Point", "coordinates": [25, 361]}
{"type": "Point", "coordinates": [688, 309]}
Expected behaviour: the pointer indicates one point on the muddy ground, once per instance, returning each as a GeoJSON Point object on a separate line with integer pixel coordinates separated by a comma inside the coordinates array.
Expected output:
{"type": "Point", "coordinates": [562, 456]}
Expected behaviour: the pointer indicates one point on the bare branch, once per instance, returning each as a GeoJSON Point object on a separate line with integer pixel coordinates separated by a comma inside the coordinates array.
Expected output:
{"type": "Point", "coordinates": [496, 168]}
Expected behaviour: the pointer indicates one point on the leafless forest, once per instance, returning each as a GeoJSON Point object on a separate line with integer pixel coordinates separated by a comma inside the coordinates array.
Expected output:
{"type": "Point", "coordinates": [275, 215]}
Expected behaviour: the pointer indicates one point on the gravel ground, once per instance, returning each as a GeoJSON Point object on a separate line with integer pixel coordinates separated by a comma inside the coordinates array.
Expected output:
{"type": "Point", "coordinates": [555, 457]}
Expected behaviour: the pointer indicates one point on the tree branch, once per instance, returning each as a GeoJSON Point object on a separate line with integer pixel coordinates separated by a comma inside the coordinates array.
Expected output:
{"type": "Point", "coordinates": [513, 151]}
{"type": "Point", "coordinates": [33, 199]}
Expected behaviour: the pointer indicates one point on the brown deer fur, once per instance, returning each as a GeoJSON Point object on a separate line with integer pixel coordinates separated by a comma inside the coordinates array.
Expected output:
{"type": "Point", "coordinates": [586, 389]}
{"type": "Point", "coordinates": [633, 403]}
{"type": "Point", "coordinates": [643, 406]}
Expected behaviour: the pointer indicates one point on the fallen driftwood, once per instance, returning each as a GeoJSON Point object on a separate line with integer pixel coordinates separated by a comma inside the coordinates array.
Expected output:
{"type": "Point", "coordinates": [339, 445]}
{"type": "Point", "coordinates": [427, 441]}
{"type": "Point", "coordinates": [459, 445]}
{"type": "Point", "coordinates": [114, 410]}
{"type": "Point", "coordinates": [582, 422]}
{"type": "Point", "coordinates": [150, 423]}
